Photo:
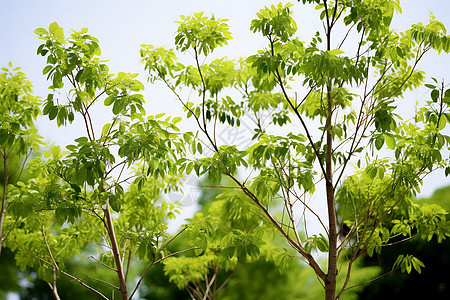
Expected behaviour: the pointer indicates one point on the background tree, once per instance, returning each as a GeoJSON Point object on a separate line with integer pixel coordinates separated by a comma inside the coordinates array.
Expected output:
{"type": "Point", "coordinates": [18, 110]}
{"type": "Point", "coordinates": [218, 274]}
{"type": "Point", "coordinates": [339, 128]}
{"type": "Point", "coordinates": [432, 253]}
{"type": "Point", "coordinates": [103, 191]}
{"type": "Point", "coordinates": [18, 138]}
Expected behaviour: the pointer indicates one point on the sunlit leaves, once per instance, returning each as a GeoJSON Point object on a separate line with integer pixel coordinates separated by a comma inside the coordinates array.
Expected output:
{"type": "Point", "coordinates": [318, 242]}
{"type": "Point", "coordinates": [432, 222]}
{"type": "Point", "coordinates": [324, 66]}
{"type": "Point", "coordinates": [275, 22]}
{"type": "Point", "coordinates": [218, 75]}
{"type": "Point", "coordinates": [184, 270]}
{"type": "Point", "coordinates": [18, 110]}
{"type": "Point", "coordinates": [78, 187]}
{"type": "Point", "coordinates": [159, 62]}
{"type": "Point", "coordinates": [407, 262]}
{"type": "Point", "coordinates": [432, 35]}
{"type": "Point", "coordinates": [202, 34]}
{"type": "Point", "coordinates": [225, 161]}
{"type": "Point", "coordinates": [375, 17]}
{"type": "Point", "coordinates": [258, 101]}
{"type": "Point", "coordinates": [74, 56]}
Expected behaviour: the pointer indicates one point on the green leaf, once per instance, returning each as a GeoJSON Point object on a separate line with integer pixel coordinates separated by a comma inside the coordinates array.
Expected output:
{"type": "Point", "coordinates": [390, 141]}
{"type": "Point", "coordinates": [115, 203]}
{"type": "Point", "coordinates": [336, 52]}
{"type": "Point", "coordinates": [53, 27]}
{"type": "Point", "coordinates": [53, 112]}
{"type": "Point", "coordinates": [119, 105]}
{"type": "Point", "coordinates": [142, 249]}
{"type": "Point", "coordinates": [434, 95]}
{"type": "Point", "coordinates": [417, 264]}
{"type": "Point", "coordinates": [379, 142]}
{"type": "Point", "coordinates": [189, 168]}
{"type": "Point", "coordinates": [40, 31]}
{"type": "Point", "coordinates": [400, 52]}
{"type": "Point", "coordinates": [46, 69]}
{"type": "Point", "coordinates": [57, 80]}
{"type": "Point", "coordinates": [442, 123]}
{"type": "Point", "coordinates": [109, 100]}
{"type": "Point", "coordinates": [105, 128]}
{"type": "Point", "coordinates": [82, 140]}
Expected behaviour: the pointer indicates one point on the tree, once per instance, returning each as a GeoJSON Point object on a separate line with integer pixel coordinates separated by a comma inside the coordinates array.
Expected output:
{"type": "Point", "coordinates": [18, 110]}
{"type": "Point", "coordinates": [336, 139]}
{"type": "Point", "coordinates": [340, 128]}
{"type": "Point", "coordinates": [432, 253]}
{"type": "Point", "coordinates": [101, 194]}
{"type": "Point", "coordinates": [224, 271]}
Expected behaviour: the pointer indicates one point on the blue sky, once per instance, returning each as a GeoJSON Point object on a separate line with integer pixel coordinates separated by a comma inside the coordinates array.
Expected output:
{"type": "Point", "coordinates": [122, 26]}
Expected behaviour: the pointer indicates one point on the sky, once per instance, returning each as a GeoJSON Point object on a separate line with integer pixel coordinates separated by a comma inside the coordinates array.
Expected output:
{"type": "Point", "coordinates": [122, 26]}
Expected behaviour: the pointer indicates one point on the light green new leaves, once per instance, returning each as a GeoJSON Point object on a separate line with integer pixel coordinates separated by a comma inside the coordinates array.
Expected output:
{"type": "Point", "coordinates": [275, 22]}
{"type": "Point", "coordinates": [318, 242]}
{"type": "Point", "coordinates": [73, 60]}
{"type": "Point", "coordinates": [324, 66]}
{"type": "Point", "coordinates": [407, 262]}
{"type": "Point", "coordinates": [202, 34]}
{"type": "Point", "coordinates": [18, 110]}
{"type": "Point", "coordinates": [431, 220]}
{"type": "Point", "coordinates": [185, 270]}
{"type": "Point", "coordinates": [54, 31]}
{"type": "Point", "coordinates": [432, 35]}
{"type": "Point", "coordinates": [70, 56]}
{"type": "Point", "coordinates": [218, 75]}
{"type": "Point", "coordinates": [159, 62]}
{"type": "Point", "coordinates": [120, 95]}
{"type": "Point", "coordinates": [373, 16]}
{"type": "Point", "coordinates": [225, 161]}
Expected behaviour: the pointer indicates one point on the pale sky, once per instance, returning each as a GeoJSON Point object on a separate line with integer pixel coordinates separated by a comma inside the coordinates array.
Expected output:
{"type": "Point", "coordinates": [122, 26]}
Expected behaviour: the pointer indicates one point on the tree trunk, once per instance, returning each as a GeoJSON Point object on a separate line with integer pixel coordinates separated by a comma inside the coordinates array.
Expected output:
{"type": "Point", "coordinates": [330, 281]}
{"type": "Point", "coordinates": [53, 286]}
{"type": "Point", "coordinates": [5, 191]}
{"type": "Point", "coordinates": [116, 254]}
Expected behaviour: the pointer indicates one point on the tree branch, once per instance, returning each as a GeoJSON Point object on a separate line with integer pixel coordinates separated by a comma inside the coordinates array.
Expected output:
{"type": "Point", "coordinates": [155, 262]}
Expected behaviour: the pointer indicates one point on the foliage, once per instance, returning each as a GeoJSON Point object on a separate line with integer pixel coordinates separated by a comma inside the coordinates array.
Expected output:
{"type": "Point", "coordinates": [327, 129]}
{"type": "Point", "coordinates": [433, 255]}
{"type": "Point", "coordinates": [18, 110]}
{"type": "Point", "coordinates": [232, 279]}
{"type": "Point", "coordinates": [230, 236]}
{"type": "Point", "coordinates": [104, 188]}
{"type": "Point", "coordinates": [343, 114]}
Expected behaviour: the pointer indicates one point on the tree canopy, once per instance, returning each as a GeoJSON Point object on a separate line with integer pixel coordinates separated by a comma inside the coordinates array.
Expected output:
{"type": "Point", "coordinates": [325, 130]}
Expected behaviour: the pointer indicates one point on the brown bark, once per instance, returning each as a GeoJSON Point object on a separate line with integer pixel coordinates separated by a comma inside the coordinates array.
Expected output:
{"type": "Point", "coordinates": [330, 281]}
{"type": "Point", "coordinates": [116, 254]}
{"type": "Point", "coordinates": [53, 286]}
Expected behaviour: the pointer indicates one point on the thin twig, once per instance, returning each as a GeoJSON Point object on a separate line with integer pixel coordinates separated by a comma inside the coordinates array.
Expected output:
{"type": "Point", "coordinates": [368, 281]}
{"type": "Point", "coordinates": [102, 281]}
{"type": "Point", "coordinates": [155, 262]}
{"type": "Point", "coordinates": [103, 264]}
